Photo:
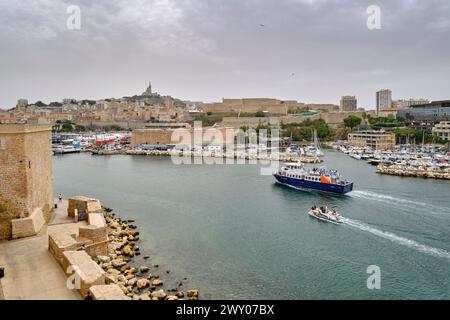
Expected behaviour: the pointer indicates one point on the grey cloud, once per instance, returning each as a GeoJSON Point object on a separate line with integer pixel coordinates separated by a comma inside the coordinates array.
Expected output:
{"type": "Point", "coordinates": [208, 49]}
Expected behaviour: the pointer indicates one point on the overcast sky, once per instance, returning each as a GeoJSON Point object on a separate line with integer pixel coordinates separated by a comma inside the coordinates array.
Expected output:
{"type": "Point", "coordinates": [313, 51]}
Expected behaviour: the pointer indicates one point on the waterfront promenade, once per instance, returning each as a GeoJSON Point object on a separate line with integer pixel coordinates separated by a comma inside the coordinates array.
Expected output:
{"type": "Point", "coordinates": [31, 272]}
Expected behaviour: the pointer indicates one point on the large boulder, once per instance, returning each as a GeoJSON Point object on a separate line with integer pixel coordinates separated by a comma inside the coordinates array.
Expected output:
{"type": "Point", "coordinates": [107, 266]}
{"type": "Point", "coordinates": [193, 293]}
{"type": "Point", "coordinates": [113, 272]}
{"type": "Point", "coordinates": [160, 294]}
{"type": "Point", "coordinates": [128, 250]}
{"type": "Point", "coordinates": [122, 279]}
{"type": "Point", "coordinates": [157, 282]}
{"type": "Point", "coordinates": [142, 283]}
{"type": "Point", "coordinates": [144, 269]}
{"type": "Point", "coordinates": [104, 259]}
{"type": "Point", "coordinates": [116, 263]}
{"type": "Point", "coordinates": [110, 279]}
{"type": "Point", "coordinates": [144, 296]}
{"type": "Point", "coordinates": [132, 282]}
{"type": "Point", "coordinates": [124, 268]}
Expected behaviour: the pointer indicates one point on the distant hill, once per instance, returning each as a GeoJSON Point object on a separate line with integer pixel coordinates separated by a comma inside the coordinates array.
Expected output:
{"type": "Point", "coordinates": [156, 99]}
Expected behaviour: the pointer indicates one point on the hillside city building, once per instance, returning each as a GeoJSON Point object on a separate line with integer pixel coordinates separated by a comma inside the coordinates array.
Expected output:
{"type": "Point", "coordinates": [383, 100]}
{"type": "Point", "coordinates": [442, 130]}
{"type": "Point", "coordinates": [377, 140]}
{"type": "Point", "coordinates": [348, 103]}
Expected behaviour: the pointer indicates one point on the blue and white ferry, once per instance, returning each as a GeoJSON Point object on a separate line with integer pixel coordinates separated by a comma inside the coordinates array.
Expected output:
{"type": "Point", "coordinates": [294, 175]}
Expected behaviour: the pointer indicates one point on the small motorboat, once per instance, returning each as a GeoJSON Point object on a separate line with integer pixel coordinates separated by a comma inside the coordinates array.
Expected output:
{"type": "Point", "coordinates": [324, 214]}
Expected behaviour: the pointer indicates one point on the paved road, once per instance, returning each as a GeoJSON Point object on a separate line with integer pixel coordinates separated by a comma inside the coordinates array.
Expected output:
{"type": "Point", "coordinates": [31, 272]}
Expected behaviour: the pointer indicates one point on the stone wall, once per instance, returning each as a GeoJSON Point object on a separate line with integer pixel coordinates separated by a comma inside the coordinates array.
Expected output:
{"type": "Point", "coordinates": [323, 107]}
{"type": "Point", "coordinates": [98, 240]}
{"type": "Point", "coordinates": [85, 270]}
{"type": "Point", "coordinates": [29, 226]}
{"type": "Point", "coordinates": [253, 105]}
{"type": "Point", "coordinates": [338, 117]}
{"type": "Point", "coordinates": [58, 242]}
{"type": "Point", "coordinates": [172, 136]}
{"type": "Point", "coordinates": [251, 122]}
{"type": "Point", "coordinates": [107, 292]}
{"type": "Point", "coordinates": [8, 212]}
{"type": "Point", "coordinates": [94, 233]}
{"type": "Point", "coordinates": [331, 118]}
{"type": "Point", "coordinates": [25, 159]}
{"type": "Point", "coordinates": [83, 205]}
{"type": "Point", "coordinates": [152, 136]}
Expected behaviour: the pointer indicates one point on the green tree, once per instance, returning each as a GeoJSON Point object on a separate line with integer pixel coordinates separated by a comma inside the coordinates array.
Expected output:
{"type": "Point", "coordinates": [302, 131]}
{"type": "Point", "coordinates": [385, 122]}
{"type": "Point", "coordinates": [40, 104]}
{"type": "Point", "coordinates": [80, 128]}
{"type": "Point", "coordinates": [67, 127]}
{"type": "Point", "coordinates": [352, 121]}
{"type": "Point", "coordinates": [364, 116]}
{"type": "Point", "coordinates": [260, 114]}
{"type": "Point", "coordinates": [244, 128]}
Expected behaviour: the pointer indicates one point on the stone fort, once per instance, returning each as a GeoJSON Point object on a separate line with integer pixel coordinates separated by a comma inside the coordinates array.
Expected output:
{"type": "Point", "coordinates": [26, 186]}
{"type": "Point", "coordinates": [252, 105]}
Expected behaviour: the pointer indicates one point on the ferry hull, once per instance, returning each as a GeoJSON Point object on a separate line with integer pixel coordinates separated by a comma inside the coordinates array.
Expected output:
{"type": "Point", "coordinates": [305, 184]}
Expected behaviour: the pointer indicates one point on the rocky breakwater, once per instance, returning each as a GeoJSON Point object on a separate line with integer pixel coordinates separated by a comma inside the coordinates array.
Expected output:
{"type": "Point", "coordinates": [160, 153]}
{"type": "Point", "coordinates": [139, 282]}
{"type": "Point", "coordinates": [404, 171]}
{"type": "Point", "coordinates": [226, 155]}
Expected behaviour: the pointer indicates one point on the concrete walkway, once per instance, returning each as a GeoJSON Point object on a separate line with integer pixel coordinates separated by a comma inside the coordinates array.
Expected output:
{"type": "Point", "coordinates": [31, 272]}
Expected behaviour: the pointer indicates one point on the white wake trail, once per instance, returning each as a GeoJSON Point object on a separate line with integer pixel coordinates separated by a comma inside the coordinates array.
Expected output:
{"type": "Point", "coordinates": [399, 202]}
{"type": "Point", "coordinates": [441, 253]}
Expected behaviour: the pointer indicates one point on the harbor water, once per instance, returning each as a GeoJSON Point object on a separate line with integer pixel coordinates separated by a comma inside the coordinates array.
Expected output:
{"type": "Point", "coordinates": [237, 235]}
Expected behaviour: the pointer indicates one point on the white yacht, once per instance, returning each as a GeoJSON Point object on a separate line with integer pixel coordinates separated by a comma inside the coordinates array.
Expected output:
{"type": "Point", "coordinates": [324, 214]}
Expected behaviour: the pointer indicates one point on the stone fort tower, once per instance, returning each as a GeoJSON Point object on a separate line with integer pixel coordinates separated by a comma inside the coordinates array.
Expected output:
{"type": "Point", "coordinates": [26, 182]}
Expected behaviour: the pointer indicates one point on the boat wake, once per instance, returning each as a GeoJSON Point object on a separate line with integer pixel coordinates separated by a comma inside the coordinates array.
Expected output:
{"type": "Point", "coordinates": [399, 202]}
{"type": "Point", "coordinates": [441, 253]}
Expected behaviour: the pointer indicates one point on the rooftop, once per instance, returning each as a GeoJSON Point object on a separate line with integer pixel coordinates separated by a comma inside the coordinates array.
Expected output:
{"type": "Point", "coordinates": [371, 132]}
{"type": "Point", "coordinates": [389, 109]}
{"type": "Point", "coordinates": [432, 104]}
{"type": "Point", "coordinates": [24, 128]}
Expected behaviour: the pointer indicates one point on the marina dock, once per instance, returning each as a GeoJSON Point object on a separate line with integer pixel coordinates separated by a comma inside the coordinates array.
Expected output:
{"type": "Point", "coordinates": [404, 171]}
